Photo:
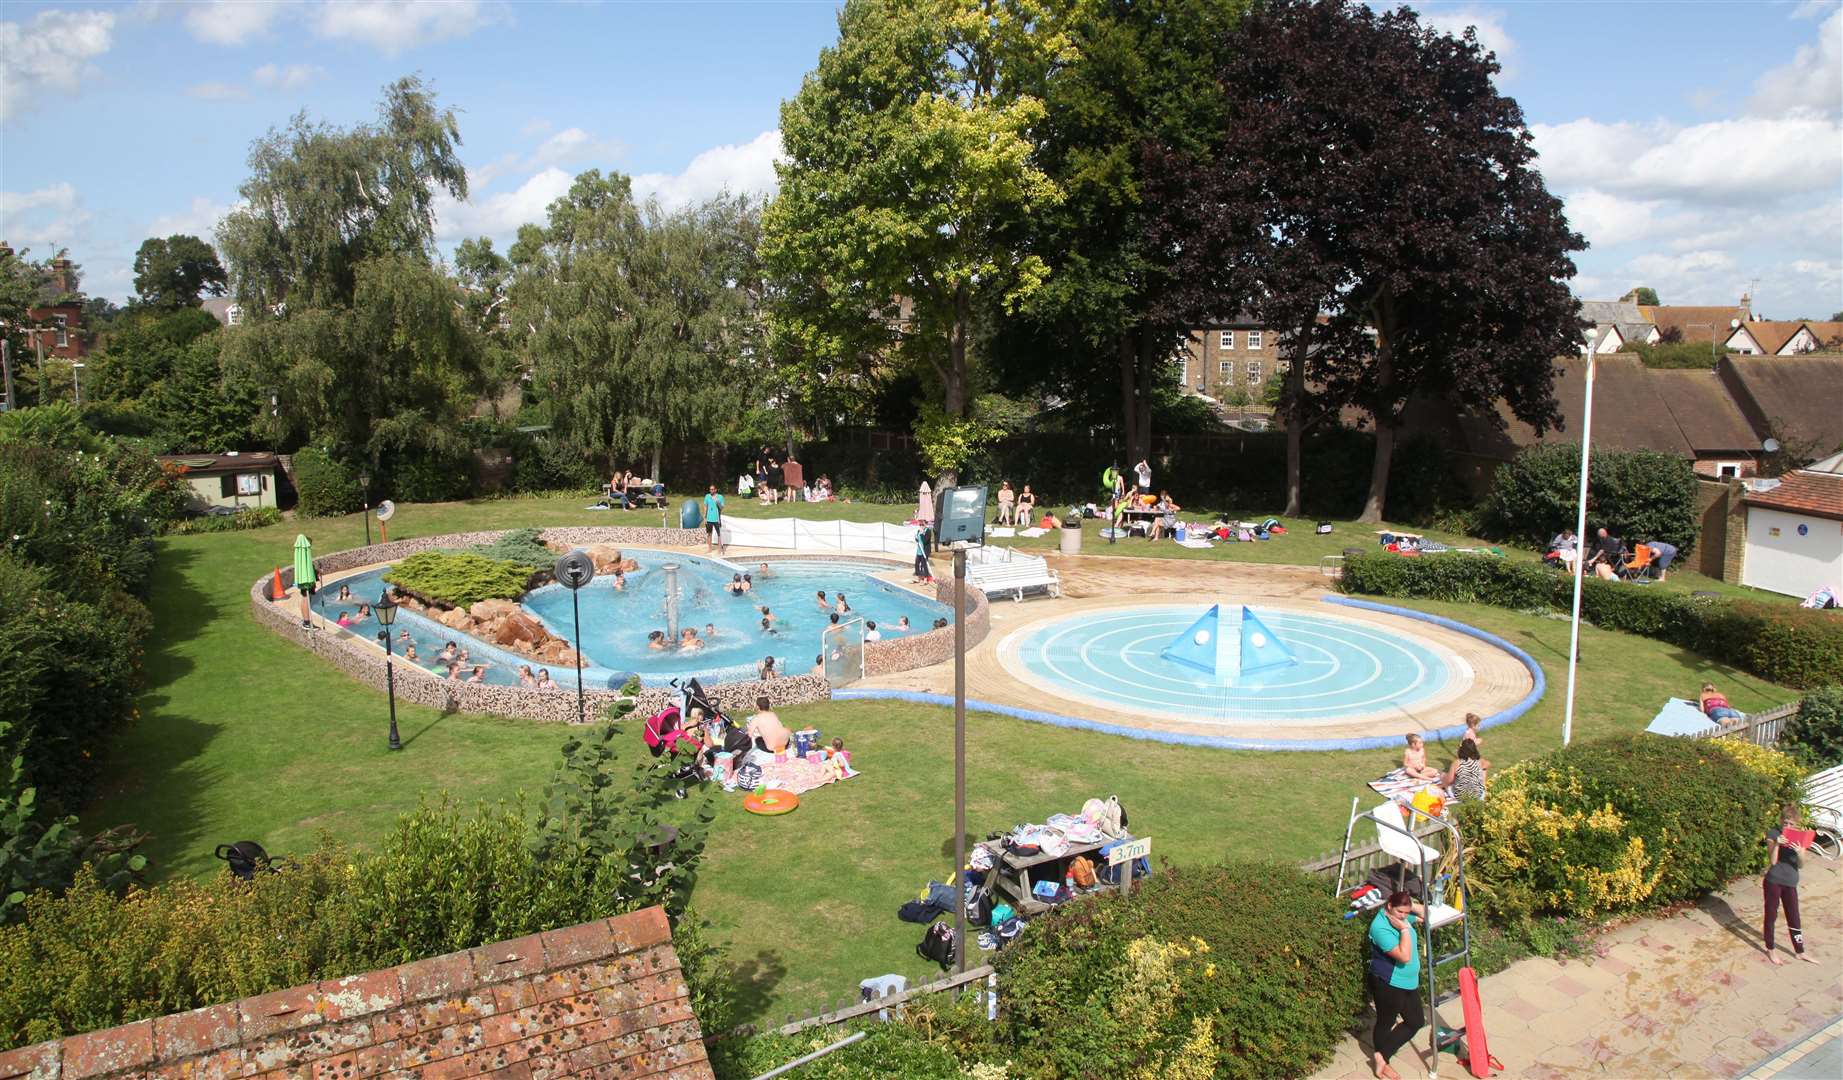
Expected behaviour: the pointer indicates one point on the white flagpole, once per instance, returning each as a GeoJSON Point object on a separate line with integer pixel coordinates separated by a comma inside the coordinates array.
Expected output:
{"type": "Point", "coordinates": [1580, 546]}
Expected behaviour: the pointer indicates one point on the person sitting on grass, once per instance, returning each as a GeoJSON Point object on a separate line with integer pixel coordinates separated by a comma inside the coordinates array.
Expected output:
{"type": "Point", "coordinates": [1007, 503]}
{"type": "Point", "coordinates": [1026, 506]}
{"type": "Point", "coordinates": [1712, 702]}
{"type": "Point", "coordinates": [1608, 553]}
{"type": "Point", "coordinates": [766, 730]}
{"type": "Point", "coordinates": [1414, 760]}
{"type": "Point", "coordinates": [1465, 777]}
{"type": "Point", "coordinates": [1472, 720]}
{"type": "Point", "coordinates": [1166, 521]}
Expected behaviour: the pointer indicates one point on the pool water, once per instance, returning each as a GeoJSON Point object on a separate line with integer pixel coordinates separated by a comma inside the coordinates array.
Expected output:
{"type": "Point", "coordinates": [1347, 668]}
{"type": "Point", "coordinates": [615, 622]}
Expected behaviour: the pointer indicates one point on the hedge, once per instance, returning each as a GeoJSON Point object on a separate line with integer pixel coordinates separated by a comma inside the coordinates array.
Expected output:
{"type": "Point", "coordinates": [1815, 735]}
{"type": "Point", "coordinates": [325, 487]}
{"type": "Point", "coordinates": [1637, 495]}
{"type": "Point", "coordinates": [1239, 970]}
{"type": "Point", "coordinates": [1621, 824]}
{"type": "Point", "coordinates": [260, 517]}
{"type": "Point", "coordinates": [1793, 646]}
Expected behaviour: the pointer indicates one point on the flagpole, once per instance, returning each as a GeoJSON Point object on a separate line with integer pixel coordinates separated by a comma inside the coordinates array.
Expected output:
{"type": "Point", "coordinates": [1580, 546]}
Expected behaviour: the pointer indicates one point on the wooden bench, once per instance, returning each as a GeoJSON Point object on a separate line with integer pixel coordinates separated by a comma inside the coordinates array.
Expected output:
{"type": "Point", "coordinates": [1014, 577]}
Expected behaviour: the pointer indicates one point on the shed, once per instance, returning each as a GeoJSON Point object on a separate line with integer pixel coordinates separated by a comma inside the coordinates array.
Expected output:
{"type": "Point", "coordinates": [1794, 542]}
{"type": "Point", "coordinates": [234, 481]}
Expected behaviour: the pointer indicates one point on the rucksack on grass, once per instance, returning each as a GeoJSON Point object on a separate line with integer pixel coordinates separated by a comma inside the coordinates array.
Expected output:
{"type": "Point", "coordinates": [938, 945]}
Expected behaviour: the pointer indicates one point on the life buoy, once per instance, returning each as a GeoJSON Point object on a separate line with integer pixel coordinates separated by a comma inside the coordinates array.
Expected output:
{"type": "Point", "coordinates": [771, 803]}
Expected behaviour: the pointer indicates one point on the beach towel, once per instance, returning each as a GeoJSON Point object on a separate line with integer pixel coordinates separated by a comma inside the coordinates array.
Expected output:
{"type": "Point", "coordinates": [1195, 544]}
{"type": "Point", "coordinates": [1398, 785]}
{"type": "Point", "coordinates": [800, 775]}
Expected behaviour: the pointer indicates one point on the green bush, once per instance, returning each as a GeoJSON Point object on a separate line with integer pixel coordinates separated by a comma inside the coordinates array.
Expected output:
{"type": "Point", "coordinates": [91, 959]}
{"type": "Point", "coordinates": [1636, 495]}
{"type": "Point", "coordinates": [326, 487]}
{"type": "Point", "coordinates": [430, 476]}
{"type": "Point", "coordinates": [521, 546]}
{"type": "Point", "coordinates": [459, 580]}
{"type": "Point", "coordinates": [260, 517]}
{"type": "Point", "coordinates": [1815, 735]}
{"type": "Point", "coordinates": [1621, 824]}
{"type": "Point", "coordinates": [1240, 970]}
{"type": "Point", "coordinates": [888, 1050]}
{"type": "Point", "coordinates": [551, 464]}
{"type": "Point", "coordinates": [1680, 355]}
{"type": "Point", "coordinates": [1793, 646]}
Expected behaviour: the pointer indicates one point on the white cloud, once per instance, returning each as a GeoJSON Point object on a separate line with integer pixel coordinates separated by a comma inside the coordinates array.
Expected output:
{"type": "Point", "coordinates": [1812, 81]}
{"type": "Point", "coordinates": [292, 77]}
{"type": "Point", "coordinates": [392, 27]}
{"type": "Point", "coordinates": [52, 52]}
{"type": "Point", "coordinates": [53, 214]}
{"type": "Point", "coordinates": [231, 22]}
{"type": "Point", "coordinates": [200, 219]}
{"type": "Point", "coordinates": [534, 128]}
{"type": "Point", "coordinates": [737, 168]}
{"type": "Point", "coordinates": [1489, 26]}
{"type": "Point", "coordinates": [217, 91]}
{"type": "Point", "coordinates": [499, 215]}
{"type": "Point", "coordinates": [574, 144]}
{"type": "Point", "coordinates": [1742, 160]}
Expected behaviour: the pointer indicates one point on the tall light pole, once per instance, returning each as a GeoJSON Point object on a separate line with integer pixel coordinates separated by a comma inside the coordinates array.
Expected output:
{"type": "Point", "coordinates": [364, 486]}
{"type": "Point", "coordinates": [573, 571]}
{"type": "Point", "coordinates": [1580, 546]}
{"type": "Point", "coordinates": [386, 610]}
{"type": "Point", "coordinates": [961, 521]}
{"type": "Point", "coordinates": [76, 380]}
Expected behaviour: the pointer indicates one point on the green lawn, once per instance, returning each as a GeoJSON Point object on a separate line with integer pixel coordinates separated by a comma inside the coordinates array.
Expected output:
{"type": "Point", "coordinates": [244, 736]}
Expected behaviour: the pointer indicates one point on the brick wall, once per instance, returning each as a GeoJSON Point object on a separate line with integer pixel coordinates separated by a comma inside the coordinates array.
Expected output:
{"type": "Point", "coordinates": [604, 999]}
{"type": "Point", "coordinates": [1206, 357]}
{"type": "Point", "coordinates": [1712, 535]}
{"type": "Point", "coordinates": [1734, 546]}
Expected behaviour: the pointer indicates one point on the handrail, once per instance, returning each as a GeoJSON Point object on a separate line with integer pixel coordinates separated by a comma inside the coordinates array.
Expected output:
{"type": "Point", "coordinates": [878, 1004]}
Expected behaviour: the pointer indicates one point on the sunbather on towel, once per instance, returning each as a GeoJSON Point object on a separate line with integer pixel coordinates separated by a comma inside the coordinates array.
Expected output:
{"type": "Point", "coordinates": [1414, 760]}
{"type": "Point", "coordinates": [766, 729]}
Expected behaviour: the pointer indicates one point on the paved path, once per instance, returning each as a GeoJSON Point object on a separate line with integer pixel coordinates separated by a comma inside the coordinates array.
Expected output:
{"type": "Point", "coordinates": [1686, 995]}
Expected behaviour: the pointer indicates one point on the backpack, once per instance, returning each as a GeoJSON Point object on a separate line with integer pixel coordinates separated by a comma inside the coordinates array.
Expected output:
{"type": "Point", "coordinates": [1081, 871]}
{"type": "Point", "coordinates": [1113, 817]}
{"type": "Point", "coordinates": [938, 945]}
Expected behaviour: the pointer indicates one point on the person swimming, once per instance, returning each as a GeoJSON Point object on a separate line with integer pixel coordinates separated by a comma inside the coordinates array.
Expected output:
{"type": "Point", "coordinates": [656, 639]}
{"type": "Point", "coordinates": [735, 588]}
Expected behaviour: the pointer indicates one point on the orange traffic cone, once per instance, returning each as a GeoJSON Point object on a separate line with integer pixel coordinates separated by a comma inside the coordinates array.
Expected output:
{"type": "Point", "coordinates": [276, 592]}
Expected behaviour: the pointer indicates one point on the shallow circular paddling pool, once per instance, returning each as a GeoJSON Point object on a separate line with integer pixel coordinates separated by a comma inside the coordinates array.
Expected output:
{"type": "Point", "coordinates": [1343, 669]}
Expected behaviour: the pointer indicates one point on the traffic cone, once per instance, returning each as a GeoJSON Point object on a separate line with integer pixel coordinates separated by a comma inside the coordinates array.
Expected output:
{"type": "Point", "coordinates": [276, 592]}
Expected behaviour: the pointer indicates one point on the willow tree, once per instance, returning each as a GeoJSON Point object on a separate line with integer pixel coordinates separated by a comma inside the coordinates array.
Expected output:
{"type": "Point", "coordinates": [639, 320]}
{"type": "Point", "coordinates": [907, 154]}
{"type": "Point", "coordinates": [347, 317]}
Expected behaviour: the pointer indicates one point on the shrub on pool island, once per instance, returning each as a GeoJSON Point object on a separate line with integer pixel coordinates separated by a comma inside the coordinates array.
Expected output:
{"type": "Point", "coordinates": [459, 579]}
{"type": "Point", "coordinates": [1239, 970]}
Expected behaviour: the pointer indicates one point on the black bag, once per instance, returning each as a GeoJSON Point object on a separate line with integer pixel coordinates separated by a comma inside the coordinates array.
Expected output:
{"type": "Point", "coordinates": [1022, 851]}
{"type": "Point", "coordinates": [978, 906]}
{"type": "Point", "coordinates": [245, 858]}
{"type": "Point", "coordinates": [938, 945]}
{"type": "Point", "coordinates": [1383, 878]}
{"type": "Point", "coordinates": [918, 911]}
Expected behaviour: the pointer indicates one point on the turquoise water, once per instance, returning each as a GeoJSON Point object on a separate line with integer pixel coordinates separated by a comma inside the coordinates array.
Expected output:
{"type": "Point", "coordinates": [615, 622]}
{"type": "Point", "coordinates": [1346, 668]}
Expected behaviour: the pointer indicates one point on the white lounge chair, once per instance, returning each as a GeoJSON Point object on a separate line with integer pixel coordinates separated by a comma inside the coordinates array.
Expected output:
{"type": "Point", "coordinates": [1014, 578]}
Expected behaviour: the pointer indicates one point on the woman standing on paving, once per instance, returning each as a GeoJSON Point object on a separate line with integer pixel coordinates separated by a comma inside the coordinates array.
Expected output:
{"type": "Point", "coordinates": [1782, 888]}
{"type": "Point", "coordinates": [1395, 979]}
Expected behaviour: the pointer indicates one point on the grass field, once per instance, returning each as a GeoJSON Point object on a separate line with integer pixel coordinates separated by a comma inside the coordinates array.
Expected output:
{"type": "Point", "coordinates": [244, 736]}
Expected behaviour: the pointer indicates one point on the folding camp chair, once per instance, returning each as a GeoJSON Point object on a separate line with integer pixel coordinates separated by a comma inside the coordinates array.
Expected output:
{"type": "Point", "coordinates": [1637, 565]}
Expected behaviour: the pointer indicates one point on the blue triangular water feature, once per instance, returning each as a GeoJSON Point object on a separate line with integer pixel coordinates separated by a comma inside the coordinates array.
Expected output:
{"type": "Point", "coordinates": [1199, 646]}
{"type": "Point", "coordinates": [1261, 649]}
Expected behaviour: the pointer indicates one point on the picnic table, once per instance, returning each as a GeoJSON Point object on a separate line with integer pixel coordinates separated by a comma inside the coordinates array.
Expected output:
{"type": "Point", "coordinates": [1014, 875]}
{"type": "Point", "coordinates": [639, 493]}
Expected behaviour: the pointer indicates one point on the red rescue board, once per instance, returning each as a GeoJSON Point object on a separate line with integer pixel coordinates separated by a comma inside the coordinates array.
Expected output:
{"type": "Point", "coordinates": [1480, 1060]}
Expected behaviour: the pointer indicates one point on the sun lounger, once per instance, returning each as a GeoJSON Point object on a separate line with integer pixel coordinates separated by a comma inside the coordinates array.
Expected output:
{"type": "Point", "coordinates": [1014, 576]}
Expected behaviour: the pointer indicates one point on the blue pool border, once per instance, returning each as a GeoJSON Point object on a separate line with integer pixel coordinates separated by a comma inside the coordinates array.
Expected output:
{"type": "Point", "coordinates": [1223, 742]}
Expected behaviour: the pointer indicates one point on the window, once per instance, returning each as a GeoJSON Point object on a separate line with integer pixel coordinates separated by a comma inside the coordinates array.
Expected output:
{"type": "Point", "coordinates": [1254, 372]}
{"type": "Point", "coordinates": [227, 486]}
{"type": "Point", "coordinates": [1226, 368]}
{"type": "Point", "coordinates": [1183, 370]}
{"type": "Point", "coordinates": [63, 324]}
{"type": "Point", "coordinates": [1254, 339]}
{"type": "Point", "coordinates": [233, 315]}
{"type": "Point", "coordinates": [249, 483]}
{"type": "Point", "coordinates": [1228, 339]}
{"type": "Point", "coordinates": [1728, 470]}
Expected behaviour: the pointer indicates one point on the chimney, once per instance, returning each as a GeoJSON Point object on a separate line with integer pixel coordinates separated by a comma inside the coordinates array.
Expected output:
{"type": "Point", "coordinates": [1746, 307]}
{"type": "Point", "coordinates": [60, 275]}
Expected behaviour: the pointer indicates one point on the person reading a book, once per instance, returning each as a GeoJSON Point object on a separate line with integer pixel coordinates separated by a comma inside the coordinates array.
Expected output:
{"type": "Point", "coordinates": [1787, 842]}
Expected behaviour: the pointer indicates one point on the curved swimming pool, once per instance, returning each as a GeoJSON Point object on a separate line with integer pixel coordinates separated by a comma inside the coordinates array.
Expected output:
{"type": "Point", "coordinates": [615, 623]}
{"type": "Point", "coordinates": [1347, 669]}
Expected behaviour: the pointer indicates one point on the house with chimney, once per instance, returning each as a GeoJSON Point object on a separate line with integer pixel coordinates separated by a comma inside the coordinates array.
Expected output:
{"type": "Point", "coordinates": [1239, 354]}
{"type": "Point", "coordinates": [54, 323]}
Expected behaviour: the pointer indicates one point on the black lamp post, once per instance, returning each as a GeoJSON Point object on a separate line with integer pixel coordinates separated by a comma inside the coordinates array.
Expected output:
{"type": "Point", "coordinates": [387, 614]}
{"type": "Point", "coordinates": [364, 491]}
{"type": "Point", "coordinates": [573, 571]}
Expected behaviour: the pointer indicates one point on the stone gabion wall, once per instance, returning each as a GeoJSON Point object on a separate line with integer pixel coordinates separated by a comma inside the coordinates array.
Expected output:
{"type": "Point", "coordinates": [356, 656]}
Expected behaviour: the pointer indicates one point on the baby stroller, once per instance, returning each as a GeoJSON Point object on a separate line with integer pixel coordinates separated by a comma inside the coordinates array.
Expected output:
{"type": "Point", "coordinates": [246, 858]}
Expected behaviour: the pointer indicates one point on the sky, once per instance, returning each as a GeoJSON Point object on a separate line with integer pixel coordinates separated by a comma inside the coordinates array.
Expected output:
{"type": "Point", "coordinates": [1698, 145]}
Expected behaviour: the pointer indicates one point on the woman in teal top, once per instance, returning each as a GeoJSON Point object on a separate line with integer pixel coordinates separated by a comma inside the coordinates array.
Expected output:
{"type": "Point", "coordinates": [1395, 979]}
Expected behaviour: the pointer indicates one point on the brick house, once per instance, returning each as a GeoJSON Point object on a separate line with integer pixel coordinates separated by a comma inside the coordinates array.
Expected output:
{"type": "Point", "coordinates": [55, 324]}
{"type": "Point", "coordinates": [606, 998]}
{"type": "Point", "coordinates": [1239, 354]}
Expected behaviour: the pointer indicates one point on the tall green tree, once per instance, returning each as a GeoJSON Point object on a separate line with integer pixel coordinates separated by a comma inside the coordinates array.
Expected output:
{"type": "Point", "coordinates": [908, 150]}
{"type": "Point", "coordinates": [1103, 329]}
{"type": "Point", "coordinates": [640, 319]}
{"type": "Point", "coordinates": [348, 319]}
{"type": "Point", "coordinates": [174, 271]}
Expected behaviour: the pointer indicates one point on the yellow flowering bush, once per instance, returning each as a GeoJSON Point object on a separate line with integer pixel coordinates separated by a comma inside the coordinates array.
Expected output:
{"type": "Point", "coordinates": [1622, 823]}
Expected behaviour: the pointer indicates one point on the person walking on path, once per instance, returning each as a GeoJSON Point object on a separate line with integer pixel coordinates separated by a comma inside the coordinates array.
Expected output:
{"type": "Point", "coordinates": [1781, 886]}
{"type": "Point", "coordinates": [1395, 980]}
{"type": "Point", "coordinates": [713, 520]}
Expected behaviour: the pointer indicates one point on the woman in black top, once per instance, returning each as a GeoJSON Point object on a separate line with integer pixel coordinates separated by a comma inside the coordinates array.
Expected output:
{"type": "Point", "coordinates": [1781, 887]}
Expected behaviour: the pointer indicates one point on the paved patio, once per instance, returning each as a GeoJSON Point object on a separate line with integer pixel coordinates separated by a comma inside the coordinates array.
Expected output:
{"type": "Point", "coordinates": [1684, 995]}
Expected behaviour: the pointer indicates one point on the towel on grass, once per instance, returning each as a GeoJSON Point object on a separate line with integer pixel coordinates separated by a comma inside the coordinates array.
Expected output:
{"type": "Point", "coordinates": [799, 775]}
{"type": "Point", "coordinates": [1195, 544]}
{"type": "Point", "coordinates": [1032, 531]}
{"type": "Point", "coordinates": [1397, 784]}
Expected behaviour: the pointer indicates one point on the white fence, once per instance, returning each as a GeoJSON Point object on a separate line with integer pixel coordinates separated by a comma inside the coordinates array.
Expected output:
{"type": "Point", "coordinates": [793, 534]}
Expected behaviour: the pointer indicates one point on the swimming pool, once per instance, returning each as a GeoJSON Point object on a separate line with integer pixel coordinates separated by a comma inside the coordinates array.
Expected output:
{"type": "Point", "coordinates": [1347, 669]}
{"type": "Point", "coordinates": [615, 623]}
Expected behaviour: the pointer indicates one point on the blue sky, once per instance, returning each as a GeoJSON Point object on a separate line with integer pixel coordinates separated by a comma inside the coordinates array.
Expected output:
{"type": "Point", "coordinates": [1699, 145]}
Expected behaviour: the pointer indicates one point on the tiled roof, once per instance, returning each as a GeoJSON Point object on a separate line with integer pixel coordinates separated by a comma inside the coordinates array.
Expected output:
{"type": "Point", "coordinates": [1687, 413]}
{"type": "Point", "coordinates": [1601, 312]}
{"type": "Point", "coordinates": [1770, 334]}
{"type": "Point", "coordinates": [1695, 323]}
{"type": "Point", "coordinates": [1795, 398]}
{"type": "Point", "coordinates": [1803, 492]}
{"type": "Point", "coordinates": [1826, 332]}
{"type": "Point", "coordinates": [201, 463]}
{"type": "Point", "coordinates": [605, 998]}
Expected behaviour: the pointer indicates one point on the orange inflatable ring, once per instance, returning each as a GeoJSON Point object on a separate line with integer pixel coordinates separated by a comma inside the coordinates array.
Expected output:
{"type": "Point", "coordinates": [771, 802]}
